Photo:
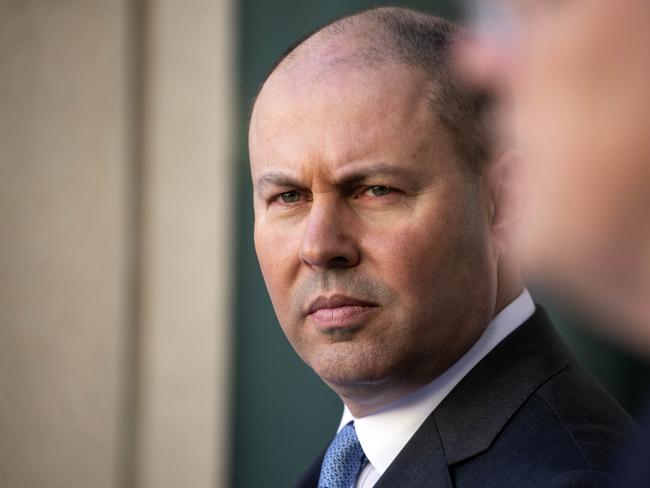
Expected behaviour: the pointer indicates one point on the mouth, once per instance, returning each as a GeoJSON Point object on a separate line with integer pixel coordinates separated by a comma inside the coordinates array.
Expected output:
{"type": "Point", "coordinates": [339, 311]}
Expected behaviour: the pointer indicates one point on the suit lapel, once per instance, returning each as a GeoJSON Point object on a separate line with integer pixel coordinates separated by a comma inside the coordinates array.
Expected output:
{"type": "Point", "coordinates": [468, 420]}
{"type": "Point", "coordinates": [422, 462]}
{"type": "Point", "coordinates": [474, 413]}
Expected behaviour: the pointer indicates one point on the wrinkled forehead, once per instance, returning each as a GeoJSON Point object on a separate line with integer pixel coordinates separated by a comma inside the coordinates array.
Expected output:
{"type": "Point", "coordinates": [331, 116]}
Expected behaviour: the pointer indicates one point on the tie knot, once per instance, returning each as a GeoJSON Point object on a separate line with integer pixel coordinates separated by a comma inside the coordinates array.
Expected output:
{"type": "Point", "coordinates": [342, 461]}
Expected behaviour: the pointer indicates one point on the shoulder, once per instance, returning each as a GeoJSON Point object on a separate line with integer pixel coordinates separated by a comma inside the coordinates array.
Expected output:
{"type": "Point", "coordinates": [559, 427]}
{"type": "Point", "coordinates": [596, 424]}
{"type": "Point", "coordinates": [564, 435]}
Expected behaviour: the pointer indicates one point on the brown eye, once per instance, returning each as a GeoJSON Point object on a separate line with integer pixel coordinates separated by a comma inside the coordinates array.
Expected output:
{"type": "Point", "coordinates": [290, 196]}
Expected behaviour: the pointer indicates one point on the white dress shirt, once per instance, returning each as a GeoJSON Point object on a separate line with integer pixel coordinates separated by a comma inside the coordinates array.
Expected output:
{"type": "Point", "coordinates": [385, 433]}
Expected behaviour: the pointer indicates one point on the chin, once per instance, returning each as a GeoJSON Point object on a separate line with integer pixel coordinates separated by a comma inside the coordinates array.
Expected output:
{"type": "Point", "coordinates": [349, 365]}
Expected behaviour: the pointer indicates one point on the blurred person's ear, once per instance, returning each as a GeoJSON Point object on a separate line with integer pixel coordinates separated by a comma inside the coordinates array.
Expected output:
{"type": "Point", "coordinates": [503, 183]}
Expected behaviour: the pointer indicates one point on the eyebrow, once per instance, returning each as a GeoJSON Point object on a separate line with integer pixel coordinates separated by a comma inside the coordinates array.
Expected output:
{"type": "Point", "coordinates": [275, 179]}
{"type": "Point", "coordinates": [359, 173]}
{"type": "Point", "coordinates": [363, 172]}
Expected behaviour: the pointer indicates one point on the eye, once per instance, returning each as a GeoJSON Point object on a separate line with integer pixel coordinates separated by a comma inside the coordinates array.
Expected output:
{"type": "Point", "coordinates": [291, 196]}
{"type": "Point", "coordinates": [377, 191]}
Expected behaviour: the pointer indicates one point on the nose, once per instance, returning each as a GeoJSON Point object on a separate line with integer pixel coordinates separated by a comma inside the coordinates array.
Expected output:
{"type": "Point", "coordinates": [328, 241]}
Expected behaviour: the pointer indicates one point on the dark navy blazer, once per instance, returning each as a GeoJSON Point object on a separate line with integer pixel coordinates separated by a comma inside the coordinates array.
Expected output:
{"type": "Point", "coordinates": [526, 416]}
{"type": "Point", "coordinates": [635, 472]}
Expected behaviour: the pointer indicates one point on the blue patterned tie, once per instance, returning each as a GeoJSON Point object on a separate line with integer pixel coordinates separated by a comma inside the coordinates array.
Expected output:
{"type": "Point", "coordinates": [342, 461]}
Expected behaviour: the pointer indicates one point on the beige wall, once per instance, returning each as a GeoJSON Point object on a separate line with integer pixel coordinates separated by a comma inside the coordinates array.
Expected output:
{"type": "Point", "coordinates": [114, 278]}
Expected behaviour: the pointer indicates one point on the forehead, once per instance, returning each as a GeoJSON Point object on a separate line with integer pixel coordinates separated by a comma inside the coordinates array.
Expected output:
{"type": "Point", "coordinates": [332, 118]}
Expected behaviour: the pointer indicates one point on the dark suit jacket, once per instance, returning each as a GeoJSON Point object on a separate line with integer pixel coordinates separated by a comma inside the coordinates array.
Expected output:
{"type": "Point", "coordinates": [525, 416]}
{"type": "Point", "coordinates": [635, 472]}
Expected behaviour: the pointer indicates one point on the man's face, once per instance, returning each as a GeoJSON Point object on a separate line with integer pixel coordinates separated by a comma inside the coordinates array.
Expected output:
{"type": "Point", "coordinates": [580, 72]}
{"type": "Point", "coordinates": [372, 241]}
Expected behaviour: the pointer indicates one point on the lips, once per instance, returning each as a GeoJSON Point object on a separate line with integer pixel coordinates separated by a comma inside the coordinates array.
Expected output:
{"type": "Point", "coordinates": [339, 311]}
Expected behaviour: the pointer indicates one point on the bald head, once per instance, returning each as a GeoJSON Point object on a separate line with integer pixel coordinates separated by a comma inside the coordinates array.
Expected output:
{"type": "Point", "coordinates": [417, 42]}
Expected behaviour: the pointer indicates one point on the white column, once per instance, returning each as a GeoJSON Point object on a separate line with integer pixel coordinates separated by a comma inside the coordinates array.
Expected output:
{"type": "Point", "coordinates": [187, 168]}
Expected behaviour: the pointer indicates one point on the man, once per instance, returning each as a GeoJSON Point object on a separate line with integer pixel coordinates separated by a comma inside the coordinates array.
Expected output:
{"type": "Point", "coordinates": [383, 226]}
{"type": "Point", "coordinates": [580, 72]}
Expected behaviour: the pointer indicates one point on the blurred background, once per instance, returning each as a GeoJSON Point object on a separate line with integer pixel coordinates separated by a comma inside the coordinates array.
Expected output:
{"type": "Point", "coordinates": [138, 346]}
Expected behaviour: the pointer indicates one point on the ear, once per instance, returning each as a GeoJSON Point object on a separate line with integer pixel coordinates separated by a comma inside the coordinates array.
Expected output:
{"type": "Point", "coordinates": [503, 180]}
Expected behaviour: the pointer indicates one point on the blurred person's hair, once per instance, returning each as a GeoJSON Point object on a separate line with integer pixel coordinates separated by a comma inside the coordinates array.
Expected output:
{"type": "Point", "coordinates": [420, 41]}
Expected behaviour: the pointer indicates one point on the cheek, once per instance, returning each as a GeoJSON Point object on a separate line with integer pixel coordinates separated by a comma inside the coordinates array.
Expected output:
{"type": "Point", "coordinates": [276, 259]}
{"type": "Point", "coordinates": [419, 255]}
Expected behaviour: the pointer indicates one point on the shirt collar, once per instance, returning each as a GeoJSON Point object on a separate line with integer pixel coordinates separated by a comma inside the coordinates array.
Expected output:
{"type": "Point", "coordinates": [384, 434]}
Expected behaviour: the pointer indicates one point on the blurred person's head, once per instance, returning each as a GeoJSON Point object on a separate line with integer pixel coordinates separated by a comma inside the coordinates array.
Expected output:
{"type": "Point", "coordinates": [579, 71]}
{"type": "Point", "coordinates": [383, 211]}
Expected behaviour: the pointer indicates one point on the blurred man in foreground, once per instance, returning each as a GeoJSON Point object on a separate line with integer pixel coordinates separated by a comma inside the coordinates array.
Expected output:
{"type": "Point", "coordinates": [384, 222]}
{"type": "Point", "coordinates": [580, 76]}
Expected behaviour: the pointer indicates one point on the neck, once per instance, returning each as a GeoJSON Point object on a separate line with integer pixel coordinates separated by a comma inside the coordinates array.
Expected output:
{"type": "Point", "coordinates": [509, 285]}
{"type": "Point", "coordinates": [364, 400]}
{"type": "Point", "coordinates": [506, 297]}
